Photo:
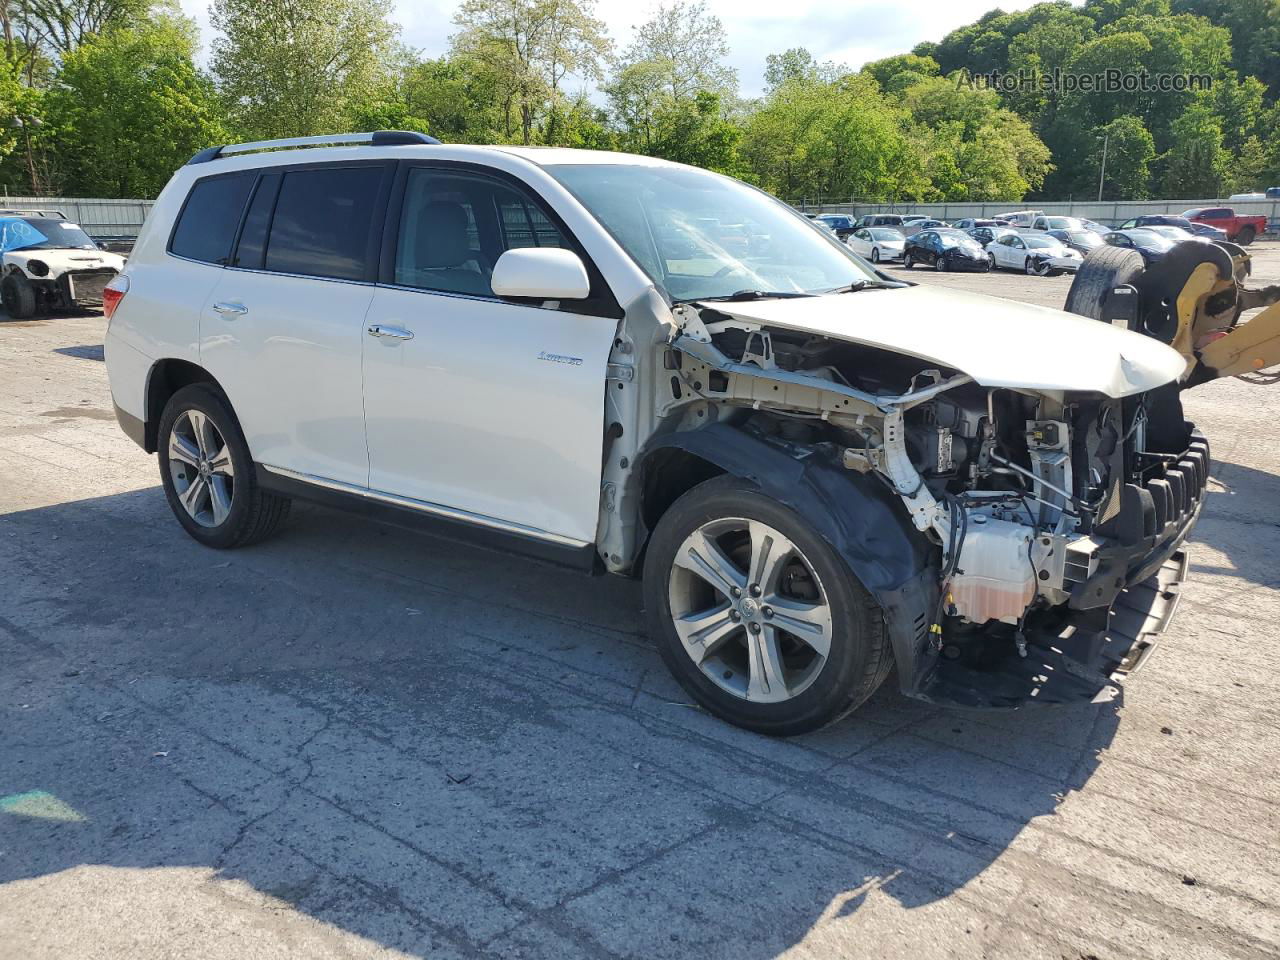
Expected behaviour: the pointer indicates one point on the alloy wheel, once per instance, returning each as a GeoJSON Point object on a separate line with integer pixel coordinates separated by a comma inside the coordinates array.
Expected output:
{"type": "Point", "coordinates": [201, 468]}
{"type": "Point", "coordinates": [750, 610]}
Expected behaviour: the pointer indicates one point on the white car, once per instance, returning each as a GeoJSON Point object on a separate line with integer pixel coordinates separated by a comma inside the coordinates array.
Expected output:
{"type": "Point", "coordinates": [820, 474]}
{"type": "Point", "coordinates": [48, 263]}
{"type": "Point", "coordinates": [1034, 253]}
{"type": "Point", "coordinates": [877, 243]}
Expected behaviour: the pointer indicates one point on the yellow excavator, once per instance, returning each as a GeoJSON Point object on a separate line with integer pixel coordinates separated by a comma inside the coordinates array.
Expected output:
{"type": "Point", "coordinates": [1192, 299]}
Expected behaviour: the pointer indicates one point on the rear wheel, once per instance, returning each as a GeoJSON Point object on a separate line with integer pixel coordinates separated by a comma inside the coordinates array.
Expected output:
{"type": "Point", "coordinates": [208, 474]}
{"type": "Point", "coordinates": [756, 616]}
{"type": "Point", "coordinates": [1246, 235]}
{"type": "Point", "coordinates": [18, 296]}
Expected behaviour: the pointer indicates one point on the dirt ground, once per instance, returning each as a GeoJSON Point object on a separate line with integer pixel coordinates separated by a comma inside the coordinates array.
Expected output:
{"type": "Point", "coordinates": [355, 741]}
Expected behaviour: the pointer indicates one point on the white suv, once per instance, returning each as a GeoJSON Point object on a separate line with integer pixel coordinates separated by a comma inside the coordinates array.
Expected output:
{"type": "Point", "coordinates": [631, 366]}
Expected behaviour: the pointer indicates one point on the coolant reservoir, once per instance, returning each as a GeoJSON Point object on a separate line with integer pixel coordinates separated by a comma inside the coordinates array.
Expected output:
{"type": "Point", "coordinates": [994, 579]}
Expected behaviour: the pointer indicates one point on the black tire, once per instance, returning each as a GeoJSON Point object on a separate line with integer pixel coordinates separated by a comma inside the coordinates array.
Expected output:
{"type": "Point", "coordinates": [991, 262]}
{"type": "Point", "coordinates": [908, 261]}
{"type": "Point", "coordinates": [1103, 269]}
{"type": "Point", "coordinates": [18, 296]}
{"type": "Point", "coordinates": [254, 513]}
{"type": "Point", "coordinates": [1029, 267]}
{"type": "Point", "coordinates": [940, 264]}
{"type": "Point", "coordinates": [859, 658]}
{"type": "Point", "coordinates": [1246, 235]}
{"type": "Point", "coordinates": [875, 254]}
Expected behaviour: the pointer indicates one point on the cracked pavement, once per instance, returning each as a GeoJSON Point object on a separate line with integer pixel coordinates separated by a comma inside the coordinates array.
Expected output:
{"type": "Point", "coordinates": [357, 741]}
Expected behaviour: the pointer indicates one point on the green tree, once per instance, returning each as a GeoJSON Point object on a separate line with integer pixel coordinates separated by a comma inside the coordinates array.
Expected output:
{"type": "Point", "coordinates": [1130, 151]}
{"type": "Point", "coordinates": [129, 107]}
{"type": "Point", "coordinates": [528, 47]}
{"type": "Point", "coordinates": [290, 68]}
{"type": "Point", "coordinates": [896, 74]}
{"type": "Point", "coordinates": [1196, 165]}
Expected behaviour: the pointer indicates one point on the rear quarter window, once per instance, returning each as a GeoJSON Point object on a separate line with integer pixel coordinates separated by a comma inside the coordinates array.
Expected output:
{"type": "Point", "coordinates": [207, 225]}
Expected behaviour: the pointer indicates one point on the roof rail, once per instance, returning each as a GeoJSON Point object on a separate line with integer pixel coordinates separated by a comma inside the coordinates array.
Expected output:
{"type": "Point", "coordinates": [376, 138]}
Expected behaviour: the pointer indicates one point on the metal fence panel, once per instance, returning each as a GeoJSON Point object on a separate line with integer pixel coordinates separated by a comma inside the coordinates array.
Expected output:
{"type": "Point", "coordinates": [100, 218]}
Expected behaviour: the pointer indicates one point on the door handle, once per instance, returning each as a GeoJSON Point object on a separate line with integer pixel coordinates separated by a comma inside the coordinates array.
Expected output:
{"type": "Point", "coordinates": [393, 333]}
{"type": "Point", "coordinates": [230, 309]}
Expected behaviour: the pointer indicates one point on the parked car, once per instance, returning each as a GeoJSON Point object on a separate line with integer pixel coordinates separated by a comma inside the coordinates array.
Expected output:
{"type": "Point", "coordinates": [1273, 193]}
{"type": "Point", "coordinates": [927, 223]}
{"type": "Point", "coordinates": [944, 249]}
{"type": "Point", "coordinates": [881, 220]}
{"type": "Point", "coordinates": [48, 264]}
{"type": "Point", "coordinates": [1257, 195]}
{"type": "Point", "coordinates": [1033, 253]}
{"type": "Point", "coordinates": [1169, 220]}
{"type": "Point", "coordinates": [877, 243]}
{"type": "Point", "coordinates": [1239, 228]}
{"type": "Point", "coordinates": [1094, 226]}
{"type": "Point", "coordinates": [985, 235]}
{"type": "Point", "coordinates": [1081, 241]}
{"type": "Point", "coordinates": [1176, 234]}
{"type": "Point", "coordinates": [1058, 223]}
{"type": "Point", "coordinates": [842, 226]}
{"type": "Point", "coordinates": [1021, 218]}
{"type": "Point", "coordinates": [530, 347]}
{"type": "Point", "coordinates": [1152, 245]}
{"type": "Point", "coordinates": [969, 223]}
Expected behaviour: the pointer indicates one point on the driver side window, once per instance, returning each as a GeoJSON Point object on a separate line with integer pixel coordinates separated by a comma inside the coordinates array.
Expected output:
{"type": "Point", "coordinates": [453, 228]}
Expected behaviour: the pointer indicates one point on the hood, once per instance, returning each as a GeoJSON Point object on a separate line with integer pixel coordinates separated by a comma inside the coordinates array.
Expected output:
{"type": "Point", "coordinates": [998, 342]}
{"type": "Point", "coordinates": [61, 261]}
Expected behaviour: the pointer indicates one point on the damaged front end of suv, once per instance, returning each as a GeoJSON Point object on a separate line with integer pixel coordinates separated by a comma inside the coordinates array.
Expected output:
{"type": "Point", "coordinates": [1015, 500]}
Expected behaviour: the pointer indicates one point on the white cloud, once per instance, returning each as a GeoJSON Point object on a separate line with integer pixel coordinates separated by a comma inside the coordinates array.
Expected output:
{"type": "Point", "coordinates": [852, 33]}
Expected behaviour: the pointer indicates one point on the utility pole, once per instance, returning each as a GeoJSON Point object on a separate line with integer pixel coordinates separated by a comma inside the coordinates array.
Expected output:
{"type": "Point", "coordinates": [1102, 175]}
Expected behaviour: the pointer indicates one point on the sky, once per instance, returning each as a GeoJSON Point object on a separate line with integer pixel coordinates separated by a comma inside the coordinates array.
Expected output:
{"type": "Point", "coordinates": [852, 32]}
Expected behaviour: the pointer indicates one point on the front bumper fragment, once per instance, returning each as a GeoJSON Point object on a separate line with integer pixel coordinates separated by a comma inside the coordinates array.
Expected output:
{"type": "Point", "coordinates": [1078, 658]}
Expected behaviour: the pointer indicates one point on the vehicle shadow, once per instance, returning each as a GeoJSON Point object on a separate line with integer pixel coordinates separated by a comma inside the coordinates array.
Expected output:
{"type": "Point", "coordinates": [440, 748]}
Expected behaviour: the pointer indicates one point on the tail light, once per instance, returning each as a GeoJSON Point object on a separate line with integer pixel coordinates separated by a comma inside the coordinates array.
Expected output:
{"type": "Point", "coordinates": [113, 293]}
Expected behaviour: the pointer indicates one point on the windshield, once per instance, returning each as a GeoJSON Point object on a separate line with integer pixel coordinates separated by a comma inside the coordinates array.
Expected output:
{"type": "Point", "coordinates": [675, 223]}
{"type": "Point", "coordinates": [883, 234]}
{"type": "Point", "coordinates": [37, 233]}
{"type": "Point", "coordinates": [1189, 214]}
{"type": "Point", "coordinates": [1086, 238]}
{"type": "Point", "coordinates": [1040, 242]}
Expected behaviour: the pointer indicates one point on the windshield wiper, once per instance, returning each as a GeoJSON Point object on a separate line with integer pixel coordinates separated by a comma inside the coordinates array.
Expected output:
{"type": "Point", "coordinates": [858, 285]}
{"type": "Point", "coordinates": [744, 295]}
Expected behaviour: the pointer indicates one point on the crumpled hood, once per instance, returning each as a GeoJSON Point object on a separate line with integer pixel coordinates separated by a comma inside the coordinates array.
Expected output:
{"type": "Point", "coordinates": [60, 261]}
{"type": "Point", "coordinates": [1000, 343]}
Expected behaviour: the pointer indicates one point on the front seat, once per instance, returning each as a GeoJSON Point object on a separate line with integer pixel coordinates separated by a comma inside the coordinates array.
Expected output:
{"type": "Point", "coordinates": [445, 260]}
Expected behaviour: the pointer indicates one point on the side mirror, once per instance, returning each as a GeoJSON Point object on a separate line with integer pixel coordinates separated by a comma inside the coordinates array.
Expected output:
{"type": "Point", "coordinates": [540, 273]}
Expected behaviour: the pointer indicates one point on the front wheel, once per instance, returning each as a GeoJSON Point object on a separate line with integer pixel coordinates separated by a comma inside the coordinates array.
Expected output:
{"type": "Point", "coordinates": [208, 474]}
{"type": "Point", "coordinates": [756, 616]}
{"type": "Point", "coordinates": [940, 264]}
{"type": "Point", "coordinates": [1030, 267]}
{"type": "Point", "coordinates": [18, 296]}
{"type": "Point", "coordinates": [875, 254]}
{"type": "Point", "coordinates": [908, 262]}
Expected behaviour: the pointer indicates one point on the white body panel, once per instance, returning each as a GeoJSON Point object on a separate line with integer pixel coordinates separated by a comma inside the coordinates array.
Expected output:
{"type": "Point", "coordinates": [998, 342]}
{"type": "Point", "coordinates": [887, 249]}
{"type": "Point", "coordinates": [60, 261]}
{"type": "Point", "coordinates": [492, 408]}
{"type": "Point", "coordinates": [290, 364]}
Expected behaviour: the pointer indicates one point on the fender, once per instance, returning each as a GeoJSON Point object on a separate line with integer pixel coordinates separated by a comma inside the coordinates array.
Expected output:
{"type": "Point", "coordinates": [862, 520]}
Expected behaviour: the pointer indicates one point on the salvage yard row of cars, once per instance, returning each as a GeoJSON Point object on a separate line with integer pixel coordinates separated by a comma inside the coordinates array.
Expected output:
{"type": "Point", "coordinates": [1029, 241]}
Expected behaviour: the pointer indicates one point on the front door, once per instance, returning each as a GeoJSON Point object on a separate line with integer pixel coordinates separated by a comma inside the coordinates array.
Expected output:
{"type": "Point", "coordinates": [474, 405]}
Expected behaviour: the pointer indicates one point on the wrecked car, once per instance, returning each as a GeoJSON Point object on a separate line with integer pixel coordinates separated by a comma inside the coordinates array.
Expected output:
{"type": "Point", "coordinates": [823, 474]}
{"type": "Point", "coordinates": [48, 263]}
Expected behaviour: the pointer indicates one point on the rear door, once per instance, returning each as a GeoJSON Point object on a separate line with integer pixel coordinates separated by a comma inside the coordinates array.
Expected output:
{"type": "Point", "coordinates": [283, 331]}
{"type": "Point", "coordinates": [476, 406]}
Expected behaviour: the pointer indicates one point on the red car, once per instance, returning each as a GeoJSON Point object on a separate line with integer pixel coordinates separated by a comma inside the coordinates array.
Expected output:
{"type": "Point", "coordinates": [1239, 229]}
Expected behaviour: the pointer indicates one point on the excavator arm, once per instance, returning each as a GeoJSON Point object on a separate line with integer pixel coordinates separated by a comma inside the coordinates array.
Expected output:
{"type": "Point", "coordinates": [1194, 300]}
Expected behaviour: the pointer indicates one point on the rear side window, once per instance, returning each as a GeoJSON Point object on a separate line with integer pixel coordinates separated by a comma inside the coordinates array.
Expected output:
{"type": "Point", "coordinates": [253, 235]}
{"type": "Point", "coordinates": [323, 218]}
{"type": "Point", "coordinates": [207, 225]}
